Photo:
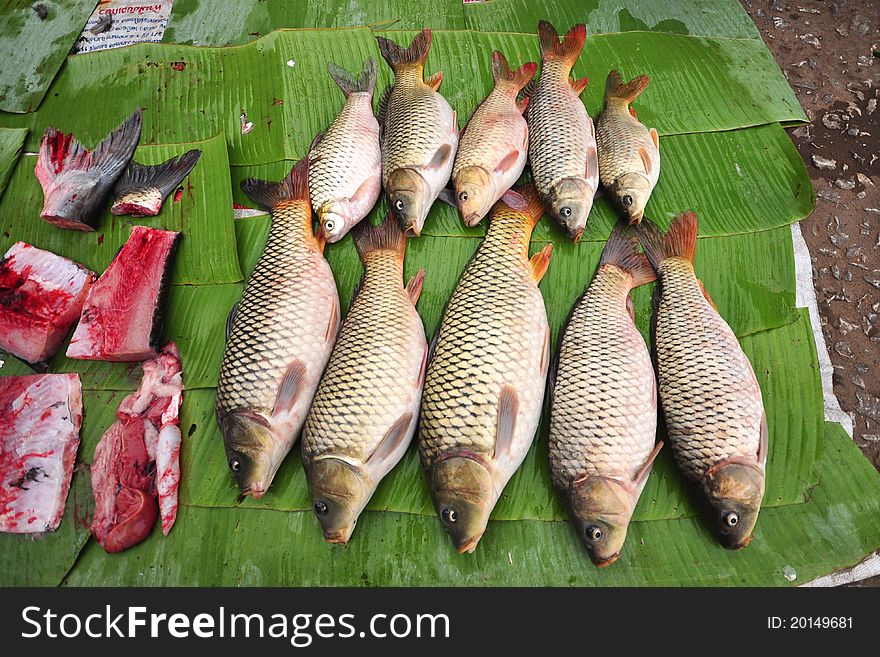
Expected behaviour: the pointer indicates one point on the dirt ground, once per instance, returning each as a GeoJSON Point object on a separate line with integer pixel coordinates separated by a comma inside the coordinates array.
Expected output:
{"type": "Point", "coordinates": [830, 53]}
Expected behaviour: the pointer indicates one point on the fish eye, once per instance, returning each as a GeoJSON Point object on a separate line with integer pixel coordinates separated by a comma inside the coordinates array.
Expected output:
{"type": "Point", "coordinates": [398, 205]}
{"type": "Point", "coordinates": [565, 212]}
{"type": "Point", "coordinates": [462, 196]}
{"type": "Point", "coordinates": [321, 508]}
{"type": "Point", "coordinates": [329, 225]}
{"type": "Point", "coordinates": [731, 519]}
{"type": "Point", "coordinates": [594, 533]}
{"type": "Point", "coordinates": [234, 465]}
{"type": "Point", "coordinates": [449, 515]}
{"type": "Point", "coordinates": [627, 200]}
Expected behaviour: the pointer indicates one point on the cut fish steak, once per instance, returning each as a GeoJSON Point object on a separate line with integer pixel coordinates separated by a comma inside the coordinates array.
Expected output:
{"type": "Point", "coordinates": [41, 295]}
{"type": "Point", "coordinates": [40, 419]}
{"type": "Point", "coordinates": [121, 318]}
{"type": "Point", "coordinates": [136, 469]}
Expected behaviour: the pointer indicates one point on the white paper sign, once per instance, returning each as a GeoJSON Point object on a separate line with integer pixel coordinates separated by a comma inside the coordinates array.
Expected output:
{"type": "Point", "coordinates": [116, 23]}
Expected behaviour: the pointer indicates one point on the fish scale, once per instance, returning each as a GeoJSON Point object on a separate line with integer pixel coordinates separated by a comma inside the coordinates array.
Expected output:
{"type": "Point", "coordinates": [604, 368]}
{"type": "Point", "coordinates": [619, 137]}
{"type": "Point", "coordinates": [700, 362]}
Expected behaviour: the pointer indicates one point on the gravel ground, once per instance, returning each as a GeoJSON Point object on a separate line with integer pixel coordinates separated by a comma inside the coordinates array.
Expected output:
{"type": "Point", "coordinates": [829, 52]}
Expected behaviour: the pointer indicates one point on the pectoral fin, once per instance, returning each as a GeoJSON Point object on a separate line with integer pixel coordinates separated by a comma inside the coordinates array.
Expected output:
{"type": "Point", "coordinates": [448, 197]}
{"type": "Point", "coordinates": [646, 160]}
{"type": "Point", "coordinates": [414, 287]}
{"type": "Point", "coordinates": [515, 200]}
{"type": "Point", "coordinates": [290, 388]}
{"type": "Point", "coordinates": [508, 409]}
{"type": "Point", "coordinates": [440, 157]}
{"type": "Point", "coordinates": [540, 262]}
{"type": "Point", "coordinates": [645, 470]}
{"type": "Point", "coordinates": [333, 322]}
{"type": "Point", "coordinates": [230, 318]}
{"type": "Point", "coordinates": [655, 138]}
{"type": "Point", "coordinates": [507, 163]}
{"type": "Point", "coordinates": [392, 441]}
{"type": "Point", "coordinates": [764, 444]}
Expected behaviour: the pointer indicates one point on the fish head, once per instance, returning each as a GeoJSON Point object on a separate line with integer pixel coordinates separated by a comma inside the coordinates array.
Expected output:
{"type": "Point", "coordinates": [333, 217]}
{"type": "Point", "coordinates": [570, 201]}
{"type": "Point", "coordinates": [473, 194]}
{"type": "Point", "coordinates": [250, 452]}
{"type": "Point", "coordinates": [601, 509]}
{"type": "Point", "coordinates": [410, 197]}
{"type": "Point", "coordinates": [339, 494]}
{"type": "Point", "coordinates": [734, 490]}
{"type": "Point", "coordinates": [464, 495]}
{"type": "Point", "coordinates": [632, 191]}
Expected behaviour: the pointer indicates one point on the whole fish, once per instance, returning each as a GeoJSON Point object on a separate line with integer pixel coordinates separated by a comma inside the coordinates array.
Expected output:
{"type": "Point", "coordinates": [711, 400]}
{"type": "Point", "coordinates": [76, 181]}
{"type": "Point", "coordinates": [142, 189]}
{"type": "Point", "coordinates": [494, 144]}
{"type": "Point", "coordinates": [279, 339]}
{"type": "Point", "coordinates": [604, 403]}
{"type": "Point", "coordinates": [346, 166]}
{"type": "Point", "coordinates": [485, 382]}
{"type": "Point", "coordinates": [364, 413]}
{"type": "Point", "coordinates": [629, 153]}
{"type": "Point", "coordinates": [419, 133]}
{"type": "Point", "coordinates": [562, 141]}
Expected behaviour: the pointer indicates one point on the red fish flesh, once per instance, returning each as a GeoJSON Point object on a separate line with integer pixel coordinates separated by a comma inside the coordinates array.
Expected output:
{"type": "Point", "coordinates": [41, 295]}
{"type": "Point", "coordinates": [120, 319]}
{"type": "Point", "coordinates": [136, 468]}
{"type": "Point", "coordinates": [40, 418]}
{"type": "Point", "coordinates": [76, 181]}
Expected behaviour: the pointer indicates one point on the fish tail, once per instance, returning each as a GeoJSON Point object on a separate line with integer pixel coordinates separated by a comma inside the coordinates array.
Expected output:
{"type": "Point", "coordinates": [399, 57]}
{"type": "Point", "coordinates": [269, 194]}
{"type": "Point", "coordinates": [520, 77]}
{"type": "Point", "coordinates": [615, 87]}
{"type": "Point", "coordinates": [569, 50]}
{"type": "Point", "coordinates": [622, 250]}
{"type": "Point", "coordinates": [365, 82]}
{"type": "Point", "coordinates": [165, 177]}
{"type": "Point", "coordinates": [534, 207]}
{"type": "Point", "coordinates": [679, 241]}
{"type": "Point", "coordinates": [385, 236]}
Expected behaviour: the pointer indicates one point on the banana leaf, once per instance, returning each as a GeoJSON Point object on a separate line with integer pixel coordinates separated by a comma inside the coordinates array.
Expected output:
{"type": "Point", "coordinates": [186, 92]}
{"type": "Point", "coordinates": [11, 141]}
{"type": "Point", "coordinates": [231, 547]}
{"type": "Point", "coordinates": [203, 214]}
{"type": "Point", "coordinates": [34, 47]}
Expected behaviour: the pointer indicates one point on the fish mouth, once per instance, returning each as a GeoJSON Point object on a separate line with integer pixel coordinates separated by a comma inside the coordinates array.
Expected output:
{"type": "Point", "coordinates": [338, 537]}
{"type": "Point", "coordinates": [604, 563]}
{"type": "Point", "coordinates": [636, 219]}
{"type": "Point", "coordinates": [469, 545]}
{"type": "Point", "coordinates": [577, 235]}
{"type": "Point", "coordinates": [740, 545]}
{"type": "Point", "coordinates": [472, 219]}
{"type": "Point", "coordinates": [413, 227]}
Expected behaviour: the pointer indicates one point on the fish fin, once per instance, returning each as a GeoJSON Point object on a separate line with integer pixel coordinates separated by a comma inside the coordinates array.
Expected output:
{"type": "Point", "coordinates": [434, 80]}
{"type": "Point", "coordinates": [392, 441]}
{"type": "Point", "coordinates": [414, 286]}
{"type": "Point", "coordinates": [523, 104]}
{"type": "Point", "coordinates": [600, 192]}
{"type": "Point", "coordinates": [569, 50]}
{"type": "Point", "coordinates": [646, 160]}
{"type": "Point", "coordinates": [525, 96]}
{"type": "Point", "coordinates": [321, 241]}
{"type": "Point", "coordinates": [112, 154]}
{"type": "Point", "coordinates": [448, 197]}
{"type": "Point", "coordinates": [423, 370]}
{"type": "Point", "coordinates": [315, 141]}
{"type": "Point", "coordinates": [763, 446]}
{"type": "Point", "coordinates": [515, 200]}
{"type": "Point", "coordinates": [399, 57]}
{"type": "Point", "coordinates": [545, 352]}
{"type": "Point", "coordinates": [455, 123]}
{"type": "Point", "coordinates": [290, 388]}
{"type": "Point", "coordinates": [642, 475]}
{"type": "Point", "coordinates": [382, 109]}
{"type": "Point", "coordinates": [578, 86]}
{"type": "Point", "coordinates": [364, 191]}
{"type": "Point", "coordinates": [679, 241]}
{"type": "Point", "coordinates": [507, 162]}
{"type": "Point", "coordinates": [520, 77]}
{"type": "Point", "coordinates": [591, 170]}
{"type": "Point", "coordinates": [230, 318]}
{"type": "Point", "coordinates": [269, 194]}
{"type": "Point", "coordinates": [534, 206]}
{"type": "Point", "coordinates": [540, 262]}
{"type": "Point", "coordinates": [630, 307]}
{"type": "Point", "coordinates": [706, 295]}
{"type": "Point", "coordinates": [616, 88]}
{"type": "Point", "coordinates": [333, 322]}
{"type": "Point", "coordinates": [165, 177]}
{"type": "Point", "coordinates": [622, 251]}
{"type": "Point", "coordinates": [633, 113]}
{"type": "Point", "coordinates": [508, 409]}
{"type": "Point", "coordinates": [384, 236]}
{"type": "Point", "coordinates": [655, 138]}
{"type": "Point", "coordinates": [440, 157]}
{"type": "Point", "coordinates": [348, 84]}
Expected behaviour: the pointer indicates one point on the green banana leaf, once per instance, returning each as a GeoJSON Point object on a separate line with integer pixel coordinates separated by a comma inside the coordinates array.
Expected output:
{"type": "Point", "coordinates": [837, 526]}
{"type": "Point", "coordinates": [11, 140]}
{"type": "Point", "coordinates": [203, 215]}
{"type": "Point", "coordinates": [34, 48]}
{"type": "Point", "coordinates": [186, 92]}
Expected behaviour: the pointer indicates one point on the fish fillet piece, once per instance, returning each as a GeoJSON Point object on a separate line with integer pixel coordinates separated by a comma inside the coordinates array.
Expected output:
{"type": "Point", "coordinates": [76, 181]}
{"type": "Point", "coordinates": [136, 469]}
{"type": "Point", "coordinates": [40, 419]}
{"type": "Point", "coordinates": [41, 296]}
{"type": "Point", "coordinates": [120, 319]}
